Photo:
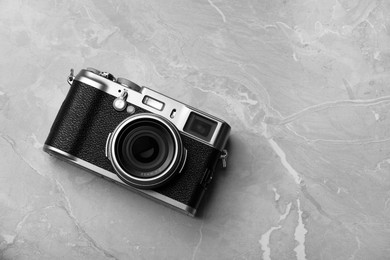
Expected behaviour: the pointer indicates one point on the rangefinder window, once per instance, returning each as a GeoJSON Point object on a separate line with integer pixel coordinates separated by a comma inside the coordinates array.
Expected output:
{"type": "Point", "coordinates": [200, 126]}
{"type": "Point", "coordinates": [154, 103]}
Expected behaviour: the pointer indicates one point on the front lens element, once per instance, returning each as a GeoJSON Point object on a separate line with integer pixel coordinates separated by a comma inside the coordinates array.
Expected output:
{"type": "Point", "coordinates": [145, 149]}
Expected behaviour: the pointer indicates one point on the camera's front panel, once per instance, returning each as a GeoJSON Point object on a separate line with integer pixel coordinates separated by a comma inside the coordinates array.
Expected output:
{"type": "Point", "coordinates": [87, 117]}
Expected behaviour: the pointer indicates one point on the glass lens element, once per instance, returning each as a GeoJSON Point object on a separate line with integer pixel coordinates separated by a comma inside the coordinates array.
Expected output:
{"type": "Point", "coordinates": [145, 149]}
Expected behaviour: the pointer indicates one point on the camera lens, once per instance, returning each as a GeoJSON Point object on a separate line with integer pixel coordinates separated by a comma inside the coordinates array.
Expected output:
{"type": "Point", "coordinates": [146, 150]}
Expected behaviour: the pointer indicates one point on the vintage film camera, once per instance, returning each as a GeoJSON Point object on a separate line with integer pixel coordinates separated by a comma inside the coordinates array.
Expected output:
{"type": "Point", "coordinates": [138, 138]}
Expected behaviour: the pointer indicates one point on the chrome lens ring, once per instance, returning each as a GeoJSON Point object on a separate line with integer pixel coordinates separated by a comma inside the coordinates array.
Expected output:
{"type": "Point", "coordinates": [146, 151]}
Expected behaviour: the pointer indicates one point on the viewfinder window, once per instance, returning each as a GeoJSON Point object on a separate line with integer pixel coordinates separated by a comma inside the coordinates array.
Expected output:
{"type": "Point", "coordinates": [200, 126]}
{"type": "Point", "coordinates": [156, 104]}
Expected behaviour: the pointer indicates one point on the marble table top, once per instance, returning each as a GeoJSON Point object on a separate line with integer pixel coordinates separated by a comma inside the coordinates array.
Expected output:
{"type": "Point", "coordinates": [305, 86]}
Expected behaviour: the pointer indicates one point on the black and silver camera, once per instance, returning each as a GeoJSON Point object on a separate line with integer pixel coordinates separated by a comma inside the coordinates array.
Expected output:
{"type": "Point", "coordinates": [139, 138]}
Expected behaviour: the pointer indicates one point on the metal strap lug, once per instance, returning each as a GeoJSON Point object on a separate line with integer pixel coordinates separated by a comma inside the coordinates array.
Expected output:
{"type": "Point", "coordinates": [224, 157]}
{"type": "Point", "coordinates": [71, 77]}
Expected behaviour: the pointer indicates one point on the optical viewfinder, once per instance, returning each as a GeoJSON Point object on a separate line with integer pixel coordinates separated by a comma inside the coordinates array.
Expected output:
{"type": "Point", "coordinates": [200, 126]}
{"type": "Point", "coordinates": [154, 103]}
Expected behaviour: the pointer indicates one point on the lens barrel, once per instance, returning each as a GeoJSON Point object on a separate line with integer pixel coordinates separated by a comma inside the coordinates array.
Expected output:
{"type": "Point", "coordinates": [146, 151]}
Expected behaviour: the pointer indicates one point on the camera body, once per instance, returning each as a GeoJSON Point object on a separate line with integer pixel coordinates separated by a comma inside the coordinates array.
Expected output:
{"type": "Point", "coordinates": [139, 138]}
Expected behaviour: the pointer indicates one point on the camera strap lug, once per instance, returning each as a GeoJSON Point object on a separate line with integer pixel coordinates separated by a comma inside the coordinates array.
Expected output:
{"type": "Point", "coordinates": [71, 77]}
{"type": "Point", "coordinates": [223, 157]}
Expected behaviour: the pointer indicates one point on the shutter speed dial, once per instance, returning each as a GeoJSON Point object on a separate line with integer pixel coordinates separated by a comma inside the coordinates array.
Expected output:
{"type": "Point", "coordinates": [128, 84]}
{"type": "Point", "coordinates": [106, 75]}
{"type": "Point", "coordinates": [124, 82]}
{"type": "Point", "coordinates": [97, 72]}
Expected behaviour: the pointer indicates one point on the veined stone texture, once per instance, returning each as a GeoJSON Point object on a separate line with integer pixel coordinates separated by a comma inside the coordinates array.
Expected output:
{"type": "Point", "coordinates": [305, 86]}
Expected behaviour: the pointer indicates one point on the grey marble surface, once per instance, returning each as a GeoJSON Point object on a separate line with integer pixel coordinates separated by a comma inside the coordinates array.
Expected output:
{"type": "Point", "coordinates": [305, 86]}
